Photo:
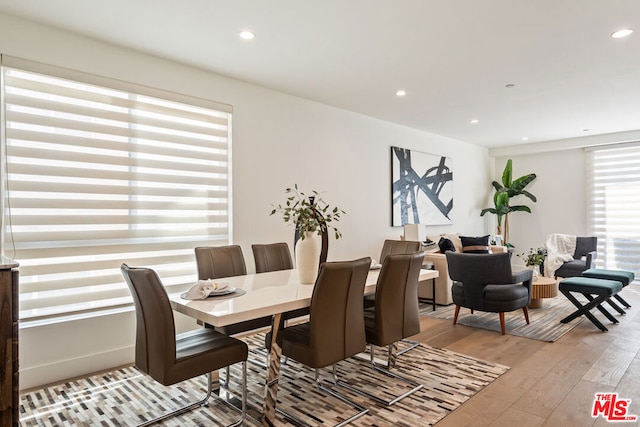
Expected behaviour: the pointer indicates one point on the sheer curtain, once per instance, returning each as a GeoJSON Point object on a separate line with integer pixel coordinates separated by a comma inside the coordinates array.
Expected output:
{"type": "Point", "coordinates": [614, 204]}
{"type": "Point", "coordinates": [99, 172]}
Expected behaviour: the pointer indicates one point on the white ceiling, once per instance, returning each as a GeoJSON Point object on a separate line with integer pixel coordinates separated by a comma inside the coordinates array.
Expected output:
{"type": "Point", "coordinates": [453, 57]}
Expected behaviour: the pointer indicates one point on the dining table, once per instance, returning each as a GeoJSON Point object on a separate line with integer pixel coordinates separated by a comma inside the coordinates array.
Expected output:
{"type": "Point", "coordinates": [258, 295]}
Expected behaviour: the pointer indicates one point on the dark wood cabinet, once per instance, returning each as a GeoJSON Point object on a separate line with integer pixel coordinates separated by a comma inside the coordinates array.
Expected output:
{"type": "Point", "coordinates": [9, 385]}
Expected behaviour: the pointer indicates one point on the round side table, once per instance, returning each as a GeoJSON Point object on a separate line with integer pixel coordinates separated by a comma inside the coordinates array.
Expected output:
{"type": "Point", "coordinates": [542, 287]}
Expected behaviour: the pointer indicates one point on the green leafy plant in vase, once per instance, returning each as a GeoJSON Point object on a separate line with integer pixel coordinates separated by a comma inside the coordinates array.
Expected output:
{"type": "Point", "coordinates": [313, 219]}
{"type": "Point", "coordinates": [534, 259]}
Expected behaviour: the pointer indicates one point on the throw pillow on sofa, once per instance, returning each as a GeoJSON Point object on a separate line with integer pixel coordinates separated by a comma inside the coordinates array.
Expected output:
{"type": "Point", "coordinates": [446, 245]}
{"type": "Point", "coordinates": [475, 245]}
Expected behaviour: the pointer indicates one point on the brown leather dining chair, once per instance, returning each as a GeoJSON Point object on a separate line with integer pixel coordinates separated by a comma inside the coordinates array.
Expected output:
{"type": "Point", "coordinates": [335, 330]}
{"type": "Point", "coordinates": [218, 262]}
{"type": "Point", "coordinates": [395, 247]}
{"type": "Point", "coordinates": [215, 262]}
{"type": "Point", "coordinates": [272, 257]}
{"type": "Point", "coordinates": [169, 358]}
{"type": "Point", "coordinates": [395, 315]}
{"type": "Point", "coordinates": [392, 247]}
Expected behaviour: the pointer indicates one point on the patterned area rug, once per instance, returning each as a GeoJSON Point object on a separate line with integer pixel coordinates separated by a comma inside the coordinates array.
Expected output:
{"type": "Point", "coordinates": [124, 397]}
{"type": "Point", "coordinates": [544, 322]}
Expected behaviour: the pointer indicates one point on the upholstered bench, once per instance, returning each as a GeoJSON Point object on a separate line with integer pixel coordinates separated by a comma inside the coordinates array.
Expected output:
{"type": "Point", "coordinates": [622, 276]}
{"type": "Point", "coordinates": [596, 291]}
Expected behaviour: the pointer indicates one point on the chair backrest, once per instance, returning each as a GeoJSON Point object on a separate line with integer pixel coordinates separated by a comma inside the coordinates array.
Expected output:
{"type": "Point", "coordinates": [396, 305]}
{"type": "Point", "coordinates": [155, 330]}
{"type": "Point", "coordinates": [393, 247]}
{"type": "Point", "coordinates": [215, 262]}
{"type": "Point", "coordinates": [475, 271]}
{"type": "Point", "coordinates": [336, 322]}
{"type": "Point", "coordinates": [272, 257]}
{"type": "Point", "coordinates": [584, 245]}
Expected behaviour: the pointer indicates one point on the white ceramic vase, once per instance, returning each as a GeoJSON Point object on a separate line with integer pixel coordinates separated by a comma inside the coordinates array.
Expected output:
{"type": "Point", "coordinates": [308, 257]}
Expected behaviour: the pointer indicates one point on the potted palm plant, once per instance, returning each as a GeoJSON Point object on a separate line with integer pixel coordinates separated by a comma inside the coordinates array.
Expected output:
{"type": "Point", "coordinates": [313, 219]}
{"type": "Point", "coordinates": [505, 191]}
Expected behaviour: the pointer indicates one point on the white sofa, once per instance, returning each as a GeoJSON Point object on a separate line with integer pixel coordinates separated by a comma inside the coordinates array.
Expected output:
{"type": "Point", "coordinates": [439, 260]}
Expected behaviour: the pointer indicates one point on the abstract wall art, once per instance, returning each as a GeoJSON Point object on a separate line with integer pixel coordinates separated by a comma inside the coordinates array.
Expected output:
{"type": "Point", "coordinates": [421, 188]}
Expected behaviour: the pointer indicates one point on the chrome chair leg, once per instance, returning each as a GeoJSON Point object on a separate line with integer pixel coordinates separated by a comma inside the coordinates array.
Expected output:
{"type": "Point", "coordinates": [230, 398]}
{"type": "Point", "coordinates": [244, 397]}
{"type": "Point", "coordinates": [361, 409]}
{"type": "Point", "coordinates": [227, 378]}
{"type": "Point", "coordinates": [205, 402]}
{"type": "Point", "coordinates": [413, 345]}
{"type": "Point", "coordinates": [416, 386]}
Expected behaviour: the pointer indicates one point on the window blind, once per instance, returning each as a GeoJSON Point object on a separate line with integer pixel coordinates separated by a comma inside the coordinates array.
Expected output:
{"type": "Point", "coordinates": [101, 172]}
{"type": "Point", "coordinates": [613, 205]}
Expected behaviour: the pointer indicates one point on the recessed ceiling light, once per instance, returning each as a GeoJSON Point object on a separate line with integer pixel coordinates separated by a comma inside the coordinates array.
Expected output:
{"type": "Point", "coordinates": [247, 35]}
{"type": "Point", "coordinates": [585, 130]}
{"type": "Point", "coordinates": [474, 121]}
{"type": "Point", "coordinates": [510, 85]}
{"type": "Point", "coordinates": [401, 92]}
{"type": "Point", "coordinates": [525, 138]}
{"type": "Point", "coordinates": [622, 33]}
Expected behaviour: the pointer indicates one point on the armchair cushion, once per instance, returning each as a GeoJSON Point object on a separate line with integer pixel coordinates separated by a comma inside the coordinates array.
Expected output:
{"type": "Point", "coordinates": [572, 268]}
{"type": "Point", "coordinates": [505, 297]}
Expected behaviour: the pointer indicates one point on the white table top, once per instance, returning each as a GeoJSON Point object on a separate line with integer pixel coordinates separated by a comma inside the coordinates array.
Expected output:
{"type": "Point", "coordinates": [266, 294]}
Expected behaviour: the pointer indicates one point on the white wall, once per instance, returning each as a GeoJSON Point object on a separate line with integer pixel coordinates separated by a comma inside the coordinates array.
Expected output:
{"type": "Point", "coordinates": [278, 140]}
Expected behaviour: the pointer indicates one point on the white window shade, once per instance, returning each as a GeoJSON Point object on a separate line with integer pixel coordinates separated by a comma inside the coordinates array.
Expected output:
{"type": "Point", "coordinates": [100, 172]}
{"type": "Point", "coordinates": [614, 205]}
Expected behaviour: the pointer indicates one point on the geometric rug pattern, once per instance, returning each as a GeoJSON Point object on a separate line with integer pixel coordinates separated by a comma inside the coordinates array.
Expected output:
{"type": "Point", "coordinates": [125, 396]}
{"type": "Point", "coordinates": [544, 323]}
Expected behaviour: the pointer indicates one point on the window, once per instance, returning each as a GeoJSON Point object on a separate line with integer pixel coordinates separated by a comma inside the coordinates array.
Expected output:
{"type": "Point", "coordinates": [100, 172]}
{"type": "Point", "coordinates": [614, 203]}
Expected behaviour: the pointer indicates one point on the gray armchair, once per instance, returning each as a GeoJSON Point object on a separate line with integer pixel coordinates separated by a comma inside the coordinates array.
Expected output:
{"type": "Point", "coordinates": [485, 282]}
{"type": "Point", "coordinates": [585, 247]}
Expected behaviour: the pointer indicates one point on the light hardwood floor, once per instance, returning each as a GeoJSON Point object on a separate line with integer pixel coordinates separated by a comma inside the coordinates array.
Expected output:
{"type": "Point", "coordinates": [549, 384]}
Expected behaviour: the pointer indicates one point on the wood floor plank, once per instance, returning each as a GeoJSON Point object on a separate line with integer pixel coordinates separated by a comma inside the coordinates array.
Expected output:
{"type": "Point", "coordinates": [516, 417]}
{"type": "Point", "coordinates": [545, 396]}
{"type": "Point", "coordinates": [613, 363]}
{"type": "Point", "coordinates": [629, 385]}
{"type": "Point", "coordinates": [477, 412]}
{"type": "Point", "coordinates": [575, 409]}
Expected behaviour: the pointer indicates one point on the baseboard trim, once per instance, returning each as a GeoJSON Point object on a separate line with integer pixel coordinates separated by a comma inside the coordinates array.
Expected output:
{"type": "Point", "coordinates": [53, 373]}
